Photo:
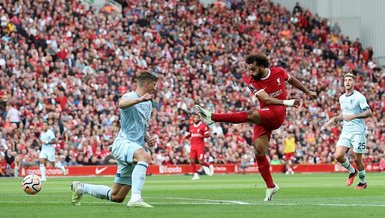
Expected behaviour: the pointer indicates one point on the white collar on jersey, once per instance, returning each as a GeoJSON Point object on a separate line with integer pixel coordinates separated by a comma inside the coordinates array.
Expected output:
{"type": "Point", "coordinates": [268, 74]}
{"type": "Point", "coordinates": [196, 125]}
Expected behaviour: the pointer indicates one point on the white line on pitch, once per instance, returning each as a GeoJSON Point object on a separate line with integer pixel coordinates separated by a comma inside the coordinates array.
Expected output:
{"type": "Point", "coordinates": [210, 200]}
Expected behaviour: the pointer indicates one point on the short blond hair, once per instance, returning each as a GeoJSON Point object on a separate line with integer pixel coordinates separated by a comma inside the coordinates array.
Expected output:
{"type": "Point", "coordinates": [350, 75]}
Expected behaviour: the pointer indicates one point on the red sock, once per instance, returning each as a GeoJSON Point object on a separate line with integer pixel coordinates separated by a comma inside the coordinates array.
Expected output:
{"type": "Point", "coordinates": [236, 117]}
{"type": "Point", "coordinates": [264, 169]}
{"type": "Point", "coordinates": [193, 167]}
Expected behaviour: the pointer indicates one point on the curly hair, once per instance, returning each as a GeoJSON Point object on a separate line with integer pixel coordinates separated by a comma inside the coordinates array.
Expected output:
{"type": "Point", "coordinates": [258, 59]}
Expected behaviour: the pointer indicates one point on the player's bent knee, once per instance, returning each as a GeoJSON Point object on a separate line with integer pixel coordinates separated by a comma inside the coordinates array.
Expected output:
{"type": "Point", "coordinates": [141, 155]}
{"type": "Point", "coordinates": [253, 116]}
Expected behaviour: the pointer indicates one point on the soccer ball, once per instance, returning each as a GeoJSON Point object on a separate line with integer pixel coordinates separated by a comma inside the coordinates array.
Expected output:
{"type": "Point", "coordinates": [31, 184]}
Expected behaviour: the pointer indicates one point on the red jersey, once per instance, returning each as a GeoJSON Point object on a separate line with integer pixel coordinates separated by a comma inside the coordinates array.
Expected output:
{"type": "Point", "coordinates": [197, 133]}
{"type": "Point", "coordinates": [273, 84]}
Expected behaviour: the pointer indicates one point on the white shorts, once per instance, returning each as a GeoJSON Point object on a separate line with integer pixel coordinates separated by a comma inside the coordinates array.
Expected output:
{"type": "Point", "coordinates": [123, 151]}
{"type": "Point", "coordinates": [48, 155]}
{"type": "Point", "coordinates": [355, 140]}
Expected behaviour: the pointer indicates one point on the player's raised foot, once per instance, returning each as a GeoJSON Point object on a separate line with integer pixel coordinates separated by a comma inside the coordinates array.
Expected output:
{"type": "Point", "coordinates": [76, 195]}
{"type": "Point", "coordinates": [350, 180]}
{"type": "Point", "coordinates": [270, 192]}
{"type": "Point", "coordinates": [361, 186]}
{"type": "Point", "coordinates": [138, 203]}
{"type": "Point", "coordinates": [205, 114]}
{"type": "Point", "coordinates": [195, 177]}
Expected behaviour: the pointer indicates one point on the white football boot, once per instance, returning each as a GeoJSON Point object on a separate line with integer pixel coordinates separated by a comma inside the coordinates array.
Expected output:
{"type": "Point", "coordinates": [270, 192]}
{"type": "Point", "coordinates": [76, 194]}
{"type": "Point", "coordinates": [138, 203]}
{"type": "Point", "coordinates": [195, 177]}
{"type": "Point", "coordinates": [205, 114]}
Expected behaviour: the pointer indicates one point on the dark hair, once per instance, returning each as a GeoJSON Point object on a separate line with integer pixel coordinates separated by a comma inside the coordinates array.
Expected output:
{"type": "Point", "coordinates": [146, 76]}
{"type": "Point", "coordinates": [258, 59]}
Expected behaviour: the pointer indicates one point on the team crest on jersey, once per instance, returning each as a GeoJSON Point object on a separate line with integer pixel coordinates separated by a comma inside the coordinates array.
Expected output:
{"type": "Point", "coordinates": [278, 81]}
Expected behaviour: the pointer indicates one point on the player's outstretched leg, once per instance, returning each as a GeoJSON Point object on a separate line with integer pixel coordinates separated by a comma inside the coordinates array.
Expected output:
{"type": "Point", "coordinates": [99, 191]}
{"type": "Point", "coordinates": [270, 192]}
{"type": "Point", "coordinates": [205, 114]}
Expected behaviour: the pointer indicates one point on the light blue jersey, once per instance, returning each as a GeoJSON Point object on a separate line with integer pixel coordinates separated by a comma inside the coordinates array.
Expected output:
{"type": "Point", "coordinates": [353, 104]}
{"type": "Point", "coordinates": [47, 149]}
{"type": "Point", "coordinates": [133, 126]}
{"type": "Point", "coordinates": [47, 137]}
{"type": "Point", "coordinates": [353, 132]}
{"type": "Point", "coordinates": [134, 120]}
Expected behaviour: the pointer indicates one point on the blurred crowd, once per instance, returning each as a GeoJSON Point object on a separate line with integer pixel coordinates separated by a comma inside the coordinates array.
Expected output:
{"type": "Point", "coordinates": [68, 64]}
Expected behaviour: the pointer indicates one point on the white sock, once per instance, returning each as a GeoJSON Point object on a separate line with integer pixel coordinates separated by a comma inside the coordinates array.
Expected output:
{"type": "Point", "coordinates": [16, 172]}
{"type": "Point", "coordinates": [42, 171]}
{"type": "Point", "coordinates": [348, 166]}
{"type": "Point", "coordinates": [137, 178]}
{"type": "Point", "coordinates": [362, 176]}
{"type": "Point", "coordinates": [99, 191]}
{"type": "Point", "coordinates": [61, 167]}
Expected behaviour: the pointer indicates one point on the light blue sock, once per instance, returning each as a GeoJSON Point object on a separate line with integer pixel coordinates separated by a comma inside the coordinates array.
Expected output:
{"type": "Point", "coordinates": [348, 166]}
{"type": "Point", "coordinates": [42, 171]}
{"type": "Point", "coordinates": [362, 176]}
{"type": "Point", "coordinates": [138, 177]}
{"type": "Point", "coordinates": [99, 191]}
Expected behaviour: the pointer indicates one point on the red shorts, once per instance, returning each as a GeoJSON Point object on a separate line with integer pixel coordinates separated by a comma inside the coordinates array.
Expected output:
{"type": "Point", "coordinates": [197, 153]}
{"type": "Point", "coordinates": [288, 156]}
{"type": "Point", "coordinates": [272, 118]}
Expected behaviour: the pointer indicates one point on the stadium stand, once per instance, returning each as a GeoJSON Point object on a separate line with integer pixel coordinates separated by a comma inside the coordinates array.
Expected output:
{"type": "Point", "coordinates": [69, 65]}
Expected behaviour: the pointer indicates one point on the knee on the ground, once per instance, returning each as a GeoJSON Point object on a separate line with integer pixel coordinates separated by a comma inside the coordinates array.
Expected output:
{"type": "Point", "coordinates": [117, 199]}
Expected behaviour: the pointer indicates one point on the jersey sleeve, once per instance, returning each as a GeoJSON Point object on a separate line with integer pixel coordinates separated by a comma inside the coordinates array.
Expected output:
{"type": "Point", "coordinates": [254, 88]}
{"type": "Point", "coordinates": [363, 103]}
{"type": "Point", "coordinates": [285, 75]}
{"type": "Point", "coordinates": [129, 96]}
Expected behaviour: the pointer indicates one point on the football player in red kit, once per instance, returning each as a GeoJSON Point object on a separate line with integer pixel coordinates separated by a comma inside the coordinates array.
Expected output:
{"type": "Point", "coordinates": [268, 85]}
{"type": "Point", "coordinates": [198, 131]}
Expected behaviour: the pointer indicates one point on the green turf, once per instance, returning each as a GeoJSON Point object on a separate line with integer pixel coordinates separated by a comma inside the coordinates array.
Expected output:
{"type": "Point", "coordinates": [301, 195]}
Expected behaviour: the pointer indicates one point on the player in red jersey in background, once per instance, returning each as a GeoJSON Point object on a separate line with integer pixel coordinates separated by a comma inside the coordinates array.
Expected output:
{"type": "Point", "coordinates": [198, 131]}
{"type": "Point", "coordinates": [267, 84]}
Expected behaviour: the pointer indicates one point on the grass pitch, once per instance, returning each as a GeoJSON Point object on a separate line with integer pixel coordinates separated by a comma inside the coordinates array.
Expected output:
{"type": "Point", "coordinates": [301, 195]}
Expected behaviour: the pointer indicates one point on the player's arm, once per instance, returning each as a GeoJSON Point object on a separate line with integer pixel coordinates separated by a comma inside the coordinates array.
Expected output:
{"type": "Point", "coordinates": [333, 120]}
{"type": "Point", "coordinates": [297, 84]}
{"type": "Point", "coordinates": [206, 133]}
{"type": "Point", "coordinates": [125, 103]}
{"type": "Point", "coordinates": [366, 113]}
{"type": "Point", "coordinates": [187, 136]}
{"type": "Point", "coordinates": [263, 96]}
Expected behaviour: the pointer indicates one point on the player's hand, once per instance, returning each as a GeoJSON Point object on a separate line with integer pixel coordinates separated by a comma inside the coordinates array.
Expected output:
{"type": "Point", "coordinates": [151, 142]}
{"type": "Point", "coordinates": [312, 95]}
{"type": "Point", "coordinates": [349, 117]}
{"type": "Point", "coordinates": [297, 103]}
{"type": "Point", "coordinates": [146, 97]}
